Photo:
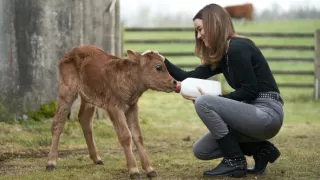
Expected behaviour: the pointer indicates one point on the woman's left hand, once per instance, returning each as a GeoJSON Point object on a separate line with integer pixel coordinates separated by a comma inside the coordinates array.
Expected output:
{"type": "Point", "coordinates": [189, 97]}
{"type": "Point", "coordinates": [201, 91]}
{"type": "Point", "coordinates": [193, 98]}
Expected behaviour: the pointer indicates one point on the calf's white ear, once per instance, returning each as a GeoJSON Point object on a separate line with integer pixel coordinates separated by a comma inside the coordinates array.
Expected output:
{"type": "Point", "coordinates": [133, 55]}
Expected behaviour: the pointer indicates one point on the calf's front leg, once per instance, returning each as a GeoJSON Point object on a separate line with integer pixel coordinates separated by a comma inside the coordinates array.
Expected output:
{"type": "Point", "coordinates": [118, 119]}
{"type": "Point", "coordinates": [134, 126]}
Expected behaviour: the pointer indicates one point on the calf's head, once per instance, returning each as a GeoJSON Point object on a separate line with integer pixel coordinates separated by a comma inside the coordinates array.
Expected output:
{"type": "Point", "coordinates": [152, 71]}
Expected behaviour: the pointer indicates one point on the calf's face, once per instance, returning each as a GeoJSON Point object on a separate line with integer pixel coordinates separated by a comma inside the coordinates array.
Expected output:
{"type": "Point", "coordinates": [153, 72]}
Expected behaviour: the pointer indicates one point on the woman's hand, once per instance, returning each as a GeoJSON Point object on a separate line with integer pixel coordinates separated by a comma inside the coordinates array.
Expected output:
{"type": "Point", "coordinates": [189, 97]}
{"type": "Point", "coordinates": [201, 91]}
{"type": "Point", "coordinates": [194, 98]}
{"type": "Point", "coordinates": [147, 51]}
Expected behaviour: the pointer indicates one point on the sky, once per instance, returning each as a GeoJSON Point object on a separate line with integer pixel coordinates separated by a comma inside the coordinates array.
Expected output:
{"type": "Point", "coordinates": [127, 7]}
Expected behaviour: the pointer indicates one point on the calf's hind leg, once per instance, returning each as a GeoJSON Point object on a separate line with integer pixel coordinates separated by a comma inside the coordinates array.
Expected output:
{"type": "Point", "coordinates": [66, 98]}
{"type": "Point", "coordinates": [86, 115]}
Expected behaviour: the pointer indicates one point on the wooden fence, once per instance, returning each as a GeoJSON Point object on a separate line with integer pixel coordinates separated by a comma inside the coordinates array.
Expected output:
{"type": "Point", "coordinates": [315, 48]}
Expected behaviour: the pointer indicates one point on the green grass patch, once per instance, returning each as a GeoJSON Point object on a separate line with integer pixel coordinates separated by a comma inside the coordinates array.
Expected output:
{"type": "Point", "coordinates": [24, 146]}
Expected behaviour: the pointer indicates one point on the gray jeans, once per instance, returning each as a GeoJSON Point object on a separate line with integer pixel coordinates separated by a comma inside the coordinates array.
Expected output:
{"type": "Point", "coordinates": [258, 120]}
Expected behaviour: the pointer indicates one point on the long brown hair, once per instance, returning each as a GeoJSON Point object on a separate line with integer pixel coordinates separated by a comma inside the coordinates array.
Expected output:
{"type": "Point", "coordinates": [218, 29]}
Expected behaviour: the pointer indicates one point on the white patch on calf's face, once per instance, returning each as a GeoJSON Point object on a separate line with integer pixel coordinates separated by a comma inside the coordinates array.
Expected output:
{"type": "Point", "coordinates": [148, 57]}
{"type": "Point", "coordinates": [149, 51]}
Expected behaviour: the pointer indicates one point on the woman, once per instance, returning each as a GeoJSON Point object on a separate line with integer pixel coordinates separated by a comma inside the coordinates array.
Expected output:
{"type": "Point", "coordinates": [239, 122]}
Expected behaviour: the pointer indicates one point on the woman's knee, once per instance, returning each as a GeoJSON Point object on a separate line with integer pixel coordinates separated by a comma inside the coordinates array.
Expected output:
{"type": "Point", "coordinates": [198, 152]}
{"type": "Point", "coordinates": [204, 149]}
{"type": "Point", "coordinates": [202, 102]}
{"type": "Point", "coordinates": [201, 154]}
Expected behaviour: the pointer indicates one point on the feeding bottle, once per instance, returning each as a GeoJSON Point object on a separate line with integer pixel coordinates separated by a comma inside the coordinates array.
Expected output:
{"type": "Point", "coordinates": [188, 87]}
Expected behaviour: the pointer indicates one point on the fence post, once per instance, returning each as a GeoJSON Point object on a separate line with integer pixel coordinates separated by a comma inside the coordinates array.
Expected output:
{"type": "Point", "coordinates": [317, 65]}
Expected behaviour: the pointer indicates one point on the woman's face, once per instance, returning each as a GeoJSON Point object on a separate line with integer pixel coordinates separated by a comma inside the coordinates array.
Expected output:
{"type": "Point", "coordinates": [198, 25]}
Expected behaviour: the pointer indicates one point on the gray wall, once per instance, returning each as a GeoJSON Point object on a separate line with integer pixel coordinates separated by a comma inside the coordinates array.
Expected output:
{"type": "Point", "coordinates": [35, 34]}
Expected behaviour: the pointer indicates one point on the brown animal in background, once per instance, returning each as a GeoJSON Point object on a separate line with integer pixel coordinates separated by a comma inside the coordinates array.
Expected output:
{"type": "Point", "coordinates": [240, 11]}
{"type": "Point", "coordinates": [114, 84]}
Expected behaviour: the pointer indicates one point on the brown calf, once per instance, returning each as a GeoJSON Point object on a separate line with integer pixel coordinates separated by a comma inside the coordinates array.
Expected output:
{"type": "Point", "coordinates": [114, 84]}
{"type": "Point", "coordinates": [240, 11]}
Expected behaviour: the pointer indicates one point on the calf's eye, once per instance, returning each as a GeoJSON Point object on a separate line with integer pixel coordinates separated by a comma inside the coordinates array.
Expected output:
{"type": "Point", "coordinates": [158, 68]}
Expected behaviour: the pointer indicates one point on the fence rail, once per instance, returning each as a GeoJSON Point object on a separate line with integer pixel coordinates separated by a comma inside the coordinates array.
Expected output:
{"type": "Point", "coordinates": [271, 59]}
{"type": "Point", "coordinates": [255, 34]}
{"type": "Point", "coordinates": [277, 47]}
{"type": "Point", "coordinates": [315, 48]}
{"type": "Point", "coordinates": [301, 73]}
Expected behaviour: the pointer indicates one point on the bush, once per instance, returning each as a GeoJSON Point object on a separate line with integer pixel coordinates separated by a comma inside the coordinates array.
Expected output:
{"type": "Point", "coordinates": [45, 111]}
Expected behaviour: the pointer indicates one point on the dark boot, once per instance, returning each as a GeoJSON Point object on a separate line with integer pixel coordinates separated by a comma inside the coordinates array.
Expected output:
{"type": "Point", "coordinates": [233, 164]}
{"type": "Point", "coordinates": [249, 148]}
{"type": "Point", "coordinates": [263, 152]}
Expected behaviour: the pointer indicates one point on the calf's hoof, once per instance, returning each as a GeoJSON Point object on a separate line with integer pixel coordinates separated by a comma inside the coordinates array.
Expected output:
{"type": "Point", "coordinates": [100, 162]}
{"type": "Point", "coordinates": [135, 175]}
{"type": "Point", "coordinates": [152, 174]}
{"type": "Point", "coordinates": [50, 167]}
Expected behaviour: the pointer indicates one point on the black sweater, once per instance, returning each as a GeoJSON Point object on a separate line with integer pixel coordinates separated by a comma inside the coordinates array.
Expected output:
{"type": "Point", "coordinates": [244, 67]}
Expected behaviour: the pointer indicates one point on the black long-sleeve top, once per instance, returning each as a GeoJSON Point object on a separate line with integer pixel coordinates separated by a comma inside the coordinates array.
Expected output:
{"type": "Point", "coordinates": [244, 67]}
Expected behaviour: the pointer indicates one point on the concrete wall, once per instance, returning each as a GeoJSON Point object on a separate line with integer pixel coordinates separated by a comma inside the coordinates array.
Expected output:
{"type": "Point", "coordinates": [35, 34]}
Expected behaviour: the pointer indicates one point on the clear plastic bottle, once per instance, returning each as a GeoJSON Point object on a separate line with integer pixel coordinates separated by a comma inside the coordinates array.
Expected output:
{"type": "Point", "coordinates": [189, 87]}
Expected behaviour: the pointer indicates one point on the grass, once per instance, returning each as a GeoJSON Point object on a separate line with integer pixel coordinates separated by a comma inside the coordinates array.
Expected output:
{"type": "Point", "coordinates": [25, 146]}
{"type": "Point", "coordinates": [167, 120]}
